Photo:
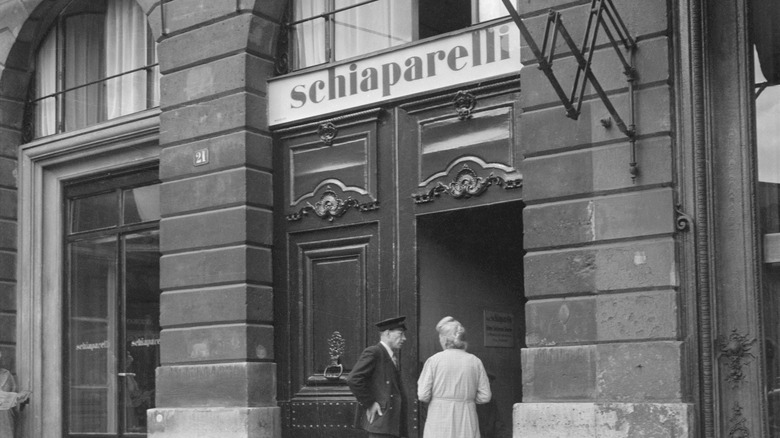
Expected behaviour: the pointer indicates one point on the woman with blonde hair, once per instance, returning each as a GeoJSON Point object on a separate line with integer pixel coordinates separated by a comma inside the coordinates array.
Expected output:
{"type": "Point", "coordinates": [453, 382]}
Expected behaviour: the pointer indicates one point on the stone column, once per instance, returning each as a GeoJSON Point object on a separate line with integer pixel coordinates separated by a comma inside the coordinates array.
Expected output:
{"type": "Point", "coordinates": [218, 376]}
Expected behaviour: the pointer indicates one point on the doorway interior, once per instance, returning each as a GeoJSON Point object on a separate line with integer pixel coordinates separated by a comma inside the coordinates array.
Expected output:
{"type": "Point", "coordinates": [470, 267]}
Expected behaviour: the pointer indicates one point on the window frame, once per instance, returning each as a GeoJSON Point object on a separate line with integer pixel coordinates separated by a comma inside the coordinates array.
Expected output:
{"type": "Point", "coordinates": [74, 190]}
{"type": "Point", "coordinates": [288, 31]}
{"type": "Point", "coordinates": [58, 26]}
{"type": "Point", "coordinates": [45, 165]}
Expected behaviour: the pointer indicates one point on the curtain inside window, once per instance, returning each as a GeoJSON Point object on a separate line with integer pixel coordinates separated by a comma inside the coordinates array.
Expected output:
{"type": "Point", "coordinates": [126, 49]}
{"type": "Point", "coordinates": [309, 38]}
{"type": "Point", "coordinates": [491, 9]}
{"type": "Point", "coordinates": [375, 26]}
{"type": "Point", "coordinates": [46, 84]}
{"type": "Point", "coordinates": [94, 40]}
{"type": "Point", "coordinates": [84, 63]}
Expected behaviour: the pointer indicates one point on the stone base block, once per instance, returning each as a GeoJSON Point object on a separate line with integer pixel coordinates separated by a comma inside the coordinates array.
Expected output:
{"type": "Point", "coordinates": [214, 422]}
{"type": "Point", "coordinates": [603, 420]}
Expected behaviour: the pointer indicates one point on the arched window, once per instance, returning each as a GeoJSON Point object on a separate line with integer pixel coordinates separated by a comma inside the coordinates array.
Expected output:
{"type": "Point", "coordinates": [98, 62]}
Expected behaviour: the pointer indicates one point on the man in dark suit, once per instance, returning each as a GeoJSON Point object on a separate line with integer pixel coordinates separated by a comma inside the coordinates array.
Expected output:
{"type": "Point", "coordinates": [376, 382]}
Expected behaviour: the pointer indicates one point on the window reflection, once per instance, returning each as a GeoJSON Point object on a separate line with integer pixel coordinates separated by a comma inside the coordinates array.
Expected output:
{"type": "Point", "coordinates": [114, 304]}
{"type": "Point", "coordinates": [767, 106]}
{"type": "Point", "coordinates": [93, 296]}
{"type": "Point", "coordinates": [142, 204]}
{"type": "Point", "coordinates": [94, 212]}
{"type": "Point", "coordinates": [142, 322]}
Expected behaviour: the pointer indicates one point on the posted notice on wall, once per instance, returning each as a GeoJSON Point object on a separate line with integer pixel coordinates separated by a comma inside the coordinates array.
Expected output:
{"type": "Point", "coordinates": [499, 329]}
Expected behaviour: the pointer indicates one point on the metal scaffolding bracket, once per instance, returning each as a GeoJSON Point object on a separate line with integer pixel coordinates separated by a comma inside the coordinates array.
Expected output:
{"type": "Point", "coordinates": [603, 16]}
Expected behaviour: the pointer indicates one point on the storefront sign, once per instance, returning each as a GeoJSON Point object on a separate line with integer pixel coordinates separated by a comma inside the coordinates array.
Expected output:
{"type": "Point", "coordinates": [499, 329]}
{"type": "Point", "coordinates": [477, 55]}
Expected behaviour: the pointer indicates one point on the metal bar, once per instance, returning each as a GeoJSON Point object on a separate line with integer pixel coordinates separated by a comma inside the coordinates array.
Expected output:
{"type": "Point", "coordinates": [543, 64]}
{"type": "Point", "coordinates": [589, 25]}
{"type": "Point", "coordinates": [555, 38]}
{"type": "Point", "coordinates": [591, 50]}
{"type": "Point", "coordinates": [333, 12]}
{"type": "Point", "coordinates": [547, 37]}
{"type": "Point", "coordinates": [581, 68]}
{"type": "Point", "coordinates": [633, 169]}
{"type": "Point", "coordinates": [617, 21]}
{"type": "Point", "coordinates": [108, 78]}
{"type": "Point", "coordinates": [162, 18]}
{"type": "Point", "coordinates": [760, 88]}
{"type": "Point", "coordinates": [596, 85]}
{"type": "Point", "coordinates": [626, 65]}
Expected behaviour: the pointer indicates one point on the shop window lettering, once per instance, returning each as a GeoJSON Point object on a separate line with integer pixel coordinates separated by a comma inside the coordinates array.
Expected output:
{"type": "Point", "coordinates": [93, 346]}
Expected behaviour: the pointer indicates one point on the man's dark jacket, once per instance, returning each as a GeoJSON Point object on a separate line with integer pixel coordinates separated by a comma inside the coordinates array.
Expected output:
{"type": "Point", "coordinates": [374, 378]}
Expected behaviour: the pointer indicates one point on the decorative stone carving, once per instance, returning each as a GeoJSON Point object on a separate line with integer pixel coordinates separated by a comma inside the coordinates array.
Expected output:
{"type": "Point", "coordinates": [464, 103]}
{"type": "Point", "coordinates": [737, 352]}
{"type": "Point", "coordinates": [466, 185]}
{"type": "Point", "coordinates": [330, 206]}
{"type": "Point", "coordinates": [327, 132]}
{"type": "Point", "coordinates": [683, 220]}
{"type": "Point", "coordinates": [738, 427]}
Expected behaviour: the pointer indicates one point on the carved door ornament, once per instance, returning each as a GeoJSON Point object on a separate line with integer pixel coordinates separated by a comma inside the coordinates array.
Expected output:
{"type": "Point", "coordinates": [336, 350]}
{"type": "Point", "coordinates": [327, 132]}
{"type": "Point", "coordinates": [330, 206]}
{"type": "Point", "coordinates": [465, 185]}
{"type": "Point", "coordinates": [464, 103]}
{"type": "Point", "coordinates": [737, 352]}
{"type": "Point", "coordinates": [738, 428]}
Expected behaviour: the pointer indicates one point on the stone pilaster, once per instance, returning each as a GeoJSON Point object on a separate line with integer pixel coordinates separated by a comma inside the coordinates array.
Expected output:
{"type": "Point", "coordinates": [218, 375]}
{"type": "Point", "coordinates": [604, 355]}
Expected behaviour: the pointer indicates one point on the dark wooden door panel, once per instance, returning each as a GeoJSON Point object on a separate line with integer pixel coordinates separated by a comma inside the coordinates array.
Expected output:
{"type": "Point", "coordinates": [345, 183]}
{"type": "Point", "coordinates": [333, 295]}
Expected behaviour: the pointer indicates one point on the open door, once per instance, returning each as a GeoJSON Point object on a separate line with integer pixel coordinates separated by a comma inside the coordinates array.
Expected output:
{"type": "Point", "coordinates": [470, 267]}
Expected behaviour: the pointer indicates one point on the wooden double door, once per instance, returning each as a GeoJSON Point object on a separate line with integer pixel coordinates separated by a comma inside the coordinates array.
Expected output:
{"type": "Point", "coordinates": [414, 210]}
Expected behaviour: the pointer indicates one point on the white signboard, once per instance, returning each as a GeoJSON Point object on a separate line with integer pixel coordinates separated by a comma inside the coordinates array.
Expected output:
{"type": "Point", "coordinates": [499, 329]}
{"type": "Point", "coordinates": [471, 56]}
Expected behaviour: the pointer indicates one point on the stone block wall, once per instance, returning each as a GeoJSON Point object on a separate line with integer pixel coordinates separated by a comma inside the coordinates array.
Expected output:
{"type": "Point", "coordinates": [13, 92]}
{"type": "Point", "coordinates": [218, 376]}
{"type": "Point", "coordinates": [604, 356]}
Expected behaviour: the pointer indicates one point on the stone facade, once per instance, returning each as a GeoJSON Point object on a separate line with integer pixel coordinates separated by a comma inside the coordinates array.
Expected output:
{"type": "Point", "coordinates": [217, 376]}
{"type": "Point", "coordinates": [609, 350]}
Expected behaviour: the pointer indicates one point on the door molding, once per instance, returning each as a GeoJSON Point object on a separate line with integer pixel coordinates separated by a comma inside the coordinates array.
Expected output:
{"type": "Point", "coordinates": [732, 391]}
{"type": "Point", "coordinates": [44, 165]}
